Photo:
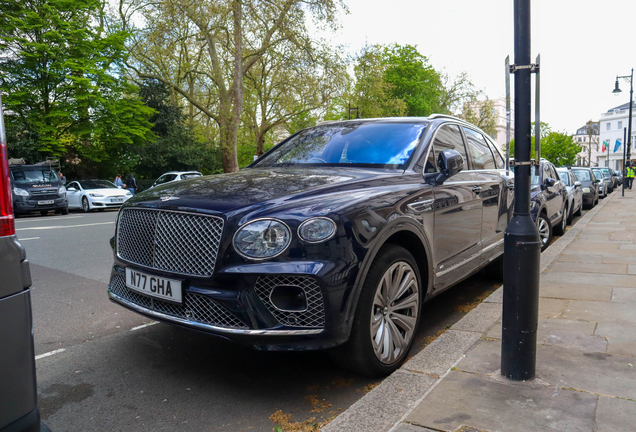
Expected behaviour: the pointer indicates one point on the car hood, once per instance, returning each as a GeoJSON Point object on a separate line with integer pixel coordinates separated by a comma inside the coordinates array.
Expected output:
{"type": "Point", "coordinates": [107, 191]}
{"type": "Point", "coordinates": [224, 192]}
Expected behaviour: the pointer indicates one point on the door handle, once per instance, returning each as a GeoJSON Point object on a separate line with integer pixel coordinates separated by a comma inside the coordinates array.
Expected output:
{"type": "Point", "coordinates": [477, 189]}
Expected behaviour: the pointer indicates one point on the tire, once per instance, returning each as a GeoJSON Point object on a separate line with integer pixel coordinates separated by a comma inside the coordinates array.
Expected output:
{"type": "Point", "coordinates": [545, 231]}
{"type": "Point", "coordinates": [100, 210]}
{"type": "Point", "coordinates": [65, 211]}
{"type": "Point", "coordinates": [570, 214]}
{"type": "Point", "coordinates": [86, 207]}
{"type": "Point", "coordinates": [44, 212]}
{"type": "Point", "coordinates": [560, 229]}
{"type": "Point", "coordinates": [579, 212]}
{"type": "Point", "coordinates": [372, 322]}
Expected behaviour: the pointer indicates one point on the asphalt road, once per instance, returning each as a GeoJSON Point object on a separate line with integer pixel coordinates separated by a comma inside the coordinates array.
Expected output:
{"type": "Point", "coordinates": [103, 368]}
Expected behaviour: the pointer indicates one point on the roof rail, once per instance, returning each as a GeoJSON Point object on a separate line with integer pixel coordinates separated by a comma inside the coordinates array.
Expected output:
{"type": "Point", "coordinates": [436, 116]}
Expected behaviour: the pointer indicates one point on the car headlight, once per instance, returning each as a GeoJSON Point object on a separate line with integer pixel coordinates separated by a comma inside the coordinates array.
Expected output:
{"type": "Point", "coordinates": [96, 195]}
{"type": "Point", "coordinates": [20, 192]}
{"type": "Point", "coordinates": [264, 238]}
{"type": "Point", "coordinates": [128, 194]}
{"type": "Point", "coordinates": [316, 230]}
{"type": "Point", "coordinates": [586, 190]}
{"type": "Point", "coordinates": [61, 190]}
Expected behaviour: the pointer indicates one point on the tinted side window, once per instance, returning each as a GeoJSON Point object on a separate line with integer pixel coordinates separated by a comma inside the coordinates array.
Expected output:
{"type": "Point", "coordinates": [499, 159]}
{"type": "Point", "coordinates": [431, 164]}
{"type": "Point", "coordinates": [479, 150]}
{"type": "Point", "coordinates": [449, 137]}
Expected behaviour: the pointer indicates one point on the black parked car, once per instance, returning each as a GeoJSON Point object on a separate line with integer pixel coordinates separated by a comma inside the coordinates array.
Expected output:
{"type": "Point", "coordinates": [18, 396]}
{"type": "Point", "coordinates": [590, 185]}
{"type": "Point", "coordinates": [331, 240]}
{"type": "Point", "coordinates": [548, 202]}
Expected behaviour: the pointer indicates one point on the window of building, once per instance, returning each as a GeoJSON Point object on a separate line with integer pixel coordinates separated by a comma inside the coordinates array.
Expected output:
{"type": "Point", "coordinates": [609, 126]}
{"type": "Point", "coordinates": [620, 125]}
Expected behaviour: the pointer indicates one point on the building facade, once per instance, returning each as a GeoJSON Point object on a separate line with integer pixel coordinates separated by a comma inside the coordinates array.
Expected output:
{"type": "Point", "coordinates": [587, 136]}
{"type": "Point", "coordinates": [612, 135]}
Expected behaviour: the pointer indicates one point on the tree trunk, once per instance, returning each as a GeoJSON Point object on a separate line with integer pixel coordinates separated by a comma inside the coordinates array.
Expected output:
{"type": "Point", "coordinates": [260, 144]}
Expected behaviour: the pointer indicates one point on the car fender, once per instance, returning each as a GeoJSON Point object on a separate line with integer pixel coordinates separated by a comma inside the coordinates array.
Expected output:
{"type": "Point", "coordinates": [395, 226]}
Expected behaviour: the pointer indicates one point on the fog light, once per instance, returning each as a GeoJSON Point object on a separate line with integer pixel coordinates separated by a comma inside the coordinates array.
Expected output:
{"type": "Point", "coordinates": [288, 298]}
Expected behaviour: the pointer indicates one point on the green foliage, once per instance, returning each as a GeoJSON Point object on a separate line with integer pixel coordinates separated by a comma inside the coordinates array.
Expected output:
{"type": "Point", "coordinates": [557, 147]}
{"type": "Point", "coordinates": [396, 80]}
{"type": "Point", "coordinates": [62, 74]}
{"type": "Point", "coordinates": [412, 79]}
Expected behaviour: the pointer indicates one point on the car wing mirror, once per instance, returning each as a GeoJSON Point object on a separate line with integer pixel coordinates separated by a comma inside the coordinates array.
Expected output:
{"type": "Point", "coordinates": [72, 189]}
{"type": "Point", "coordinates": [549, 182]}
{"type": "Point", "coordinates": [450, 162]}
{"type": "Point", "coordinates": [578, 184]}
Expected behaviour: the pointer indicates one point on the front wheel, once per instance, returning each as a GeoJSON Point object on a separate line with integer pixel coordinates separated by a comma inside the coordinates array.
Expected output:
{"type": "Point", "coordinates": [545, 231]}
{"type": "Point", "coordinates": [85, 205]}
{"type": "Point", "coordinates": [65, 211]}
{"type": "Point", "coordinates": [386, 316]}
{"type": "Point", "coordinates": [560, 229]}
{"type": "Point", "coordinates": [579, 212]}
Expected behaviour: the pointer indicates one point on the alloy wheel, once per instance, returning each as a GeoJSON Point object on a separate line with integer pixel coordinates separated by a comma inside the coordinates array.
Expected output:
{"type": "Point", "coordinates": [85, 205]}
{"type": "Point", "coordinates": [394, 316]}
{"type": "Point", "coordinates": [544, 231]}
{"type": "Point", "coordinates": [564, 220]}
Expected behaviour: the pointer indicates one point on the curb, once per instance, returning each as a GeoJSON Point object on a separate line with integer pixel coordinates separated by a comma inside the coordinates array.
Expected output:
{"type": "Point", "coordinates": [388, 404]}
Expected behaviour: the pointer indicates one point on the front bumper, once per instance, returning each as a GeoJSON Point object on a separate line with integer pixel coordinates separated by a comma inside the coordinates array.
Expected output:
{"type": "Point", "coordinates": [238, 307]}
{"type": "Point", "coordinates": [22, 206]}
{"type": "Point", "coordinates": [108, 201]}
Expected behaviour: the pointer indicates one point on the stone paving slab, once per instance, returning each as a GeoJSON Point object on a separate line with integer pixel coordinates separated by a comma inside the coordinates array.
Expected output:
{"type": "Point", "coordinates": [624, 295]}
{"type": "Point", "coordinates": [551, 308]}
{"type": "Point", "coordinates": [587, 268]}
{"type": "Point", "coordinates": [576, 292]}
{"type": "Point", "coordinates": [575, 278]}
{"type": "Point", "coordinates": [599, 312]}
{"type": "Point", "coordinates": [621, 339]}
{"type": "Point", "coordinates": [464, 399]}
{"type": "Point", "coordinates": [597, 372]}
{"type": "Point", "coordinates": [615, 415]}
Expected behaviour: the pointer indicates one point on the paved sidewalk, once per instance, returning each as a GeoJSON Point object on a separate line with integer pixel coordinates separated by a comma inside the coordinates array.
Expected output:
{"type": "Point", "coordinates": [586, 352]}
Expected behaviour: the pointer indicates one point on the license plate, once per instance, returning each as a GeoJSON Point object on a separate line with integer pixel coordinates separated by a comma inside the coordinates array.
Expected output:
{"type": "Point", "coordinates": [154, 286]}
{"type": "Point", "coordinates": [46, 202]}
{"type": "Point", "coordinates": [116, 200]}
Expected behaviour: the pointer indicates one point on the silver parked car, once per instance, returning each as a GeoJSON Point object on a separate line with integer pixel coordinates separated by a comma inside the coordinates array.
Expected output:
{"type": "Point", "coordinates": [574, 190]}
{"type": "Point", "coordinates": [175, 176]}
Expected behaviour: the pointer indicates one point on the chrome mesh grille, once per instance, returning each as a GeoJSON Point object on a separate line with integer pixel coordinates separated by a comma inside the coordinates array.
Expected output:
{"type": "Point", "coordinates": [314, 316]}
{"type": "Point", "coordinates": [172, 241]}
{"type": "Point", "coordinates": [195, 307]}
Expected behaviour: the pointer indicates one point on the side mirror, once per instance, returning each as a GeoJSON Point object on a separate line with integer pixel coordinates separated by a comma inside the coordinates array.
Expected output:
{"type": "Point", "coordinates": [71, 189]}
{"type": "Point", "coordinates": [597, 181]}
{"type": "Point", "coordinates": [549, 182]}
{"type": "Point", "coordinates": [450, 162]}
{"type": "Point", "coordinates": [578, 184]}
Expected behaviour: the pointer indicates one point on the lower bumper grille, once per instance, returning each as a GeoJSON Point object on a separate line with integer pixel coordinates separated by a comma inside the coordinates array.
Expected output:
{"type": "Point", "coordinates": [313, 316]}
{"type": "Point", "coordinates": [196, 308]}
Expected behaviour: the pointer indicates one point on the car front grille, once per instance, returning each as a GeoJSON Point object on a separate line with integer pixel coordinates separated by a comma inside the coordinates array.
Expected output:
{"type": "Point", "coordinates": [178, 242]}
{"type": "Point", "coordinates": [196, 308]}
{"type": "Point", "coordinates": [313, 316]}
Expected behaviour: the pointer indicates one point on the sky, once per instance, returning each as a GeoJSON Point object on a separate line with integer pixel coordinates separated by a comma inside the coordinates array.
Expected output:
{"type": "Point", "coordinates": [583, 44]}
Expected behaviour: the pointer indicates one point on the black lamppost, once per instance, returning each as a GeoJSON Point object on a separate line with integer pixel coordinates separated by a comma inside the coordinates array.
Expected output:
{"type": "Point", "coordinates": [616, 91]}
{"type": "Point", "coordinates": [356, 109]}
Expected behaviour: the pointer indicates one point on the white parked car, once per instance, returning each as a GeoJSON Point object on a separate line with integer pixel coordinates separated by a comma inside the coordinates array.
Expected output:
{"type": "Point", "coordinates": [175, 176]}
{"type": "Point", "coordinates": [95, 194]}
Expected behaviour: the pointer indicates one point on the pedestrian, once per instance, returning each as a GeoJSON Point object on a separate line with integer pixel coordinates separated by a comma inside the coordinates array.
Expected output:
{"type": "Point", "coordinates": [62, 178]}
{"type": "Point", "coordinates": [118, 182]}
{"type": "Point", "coordinates": [630, 173]}
{"type": "Point", "coordinates": [131, 184]}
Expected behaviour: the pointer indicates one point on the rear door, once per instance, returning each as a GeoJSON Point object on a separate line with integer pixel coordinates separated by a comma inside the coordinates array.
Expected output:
{"type": "Point", "coordinates": [458, 215]}
{"type": "Point", "coordinates": [491, 183]}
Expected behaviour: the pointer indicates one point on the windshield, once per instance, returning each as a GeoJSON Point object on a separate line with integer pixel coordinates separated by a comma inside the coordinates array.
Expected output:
{"type": "Point", "coordinates": [599, 174]}
{"type": "Point", "coordinates": [34, 175]}
{"type": "Point", "coordinates": [582, 175]}
{"type": "Point", "coordinates": [387, 145]}
{"type": "Point", "coordinates": [190, 175]}
{"type": "Point", "coordinates": [565, 178]}
{"type": "Point", "coordinates": [97, 184]}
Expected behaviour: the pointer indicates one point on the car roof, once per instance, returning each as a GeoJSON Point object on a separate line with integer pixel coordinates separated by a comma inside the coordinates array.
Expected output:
{"type": "Point", "coordinates": [180, 172]}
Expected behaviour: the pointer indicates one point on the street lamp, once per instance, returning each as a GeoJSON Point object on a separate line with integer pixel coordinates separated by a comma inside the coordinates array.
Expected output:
{"type": "Point", "coordinates": [617, 91]}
